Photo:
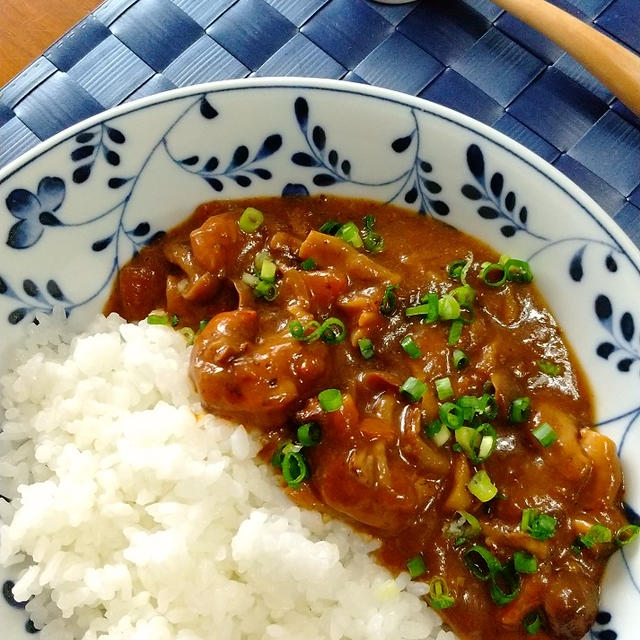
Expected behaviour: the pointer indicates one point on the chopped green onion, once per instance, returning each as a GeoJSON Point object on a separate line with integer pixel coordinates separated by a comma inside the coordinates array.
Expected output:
{"type": "Point", "coordinates": [373, 242]}
{"type": "Point", "coordinates": [538, 525]}
{"type": "Point", "coordinates": [278, 455]}
{"type": "Point", "coordinates": [268, 270]}
{"type": "Point", "coordinates": [455, 331]}
{"type": "Point", "coordinates": [350, 233]}
{"type": "Point", "coordinates": [439, 596]}
{"type": "Point", "coordinates": [470, 405]}
{"type": "Point", "coordinates": [481, 562]}
{"type": "Point", "coordinates": [250, 279]}
{"type": "Point", "coordinates": [330, 399]}
{"type": "Point", "coordinates": [416, 567]}
{"type": "Point", "coordinates": [524, 562]}
{"type": "Point", "coordinates": [597, 534]}
{"type": "Point", "coordinates": [545, 434]}
{"type": "Point", "coordinates": [444, 388]}
{"type": "Point", "coordinates": [389, 303]}
{"type": "Point", "coordinates": [465, 295]}
{"type": "Point", "coordinates": [519, 410]}
{"type": "Point", "coordinates": [189, 335]}
{"type": "Point", "coordinates": [487, 406]}
{"type": "Point", "coordinates": [454, 269]}
{"type": "Point", "coordinates": [451, 415]}
{"type": "Point", "coordinates": [308, 264]}
{"type": "Point", "coordinates": [333, 331]}
{"type": "Point", "coordinates": [518, 271]}
{"type": "Point", "coordinates": [309, 434]}
{"type": "Point", "coordinates": [413, 388]}
{"type": "Point", "coordinates": [549, 368]}
{"type": "Point", "coordinates": [532, 622]}
{"type": "Point", "coordinates": [366, 348]}
{"type": "Point", "coordinates": [460, 359]}
{"type": "Point", "coordinates": [442, 435]}
{"type": "Point", "coordinates": [294, 468]}
{"type": "Point", "coordinates": [493, 274]}
{"type": "Point", "coordinates": [626, 534]}
{"type": "Point", "coordinates": [250, 219]}
{"type": "Point", "coordinates": [448, 308]}
{"type": "Point", "coordinates": [158, 318]}
{"type": "Point", "coordinates": [368, 221]}
{"type": "Point", "coordinates": [202, 325]}
{"type": "Point", "coordinates": [266, 290]}
{"type": "Point", "coordinates": [463, 528]}
{"type": "Point", "coordinates": [481, 486]}
{"type": "Point", "coordinates": [410, 347]}
{"type": "Point", "coordinates": [330, 227]}
{"type": "Point", "coordinates": [261, 256]}
{"type": "Point", "coordinates": [505, 585]}
{"type": "Point", "coordinates": [477, 443]}
{"type": "Point", "coordinates": [174, 320]}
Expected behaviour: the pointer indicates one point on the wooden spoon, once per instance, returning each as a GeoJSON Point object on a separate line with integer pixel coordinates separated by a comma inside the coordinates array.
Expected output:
{"type": "Point", "coordinates": [614, 65]}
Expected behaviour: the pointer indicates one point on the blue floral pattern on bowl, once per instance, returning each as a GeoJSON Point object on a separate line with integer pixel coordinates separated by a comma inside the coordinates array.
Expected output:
{"type": "Point", "coordinates": [79, 206]}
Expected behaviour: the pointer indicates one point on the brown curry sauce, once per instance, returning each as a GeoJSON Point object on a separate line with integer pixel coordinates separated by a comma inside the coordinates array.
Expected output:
{"type": "Point", "coordinates": [375, 467]}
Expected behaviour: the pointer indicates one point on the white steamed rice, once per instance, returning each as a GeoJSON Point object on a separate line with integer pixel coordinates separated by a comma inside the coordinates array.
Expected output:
{"type": "Point", "coordinates": [135, 516]}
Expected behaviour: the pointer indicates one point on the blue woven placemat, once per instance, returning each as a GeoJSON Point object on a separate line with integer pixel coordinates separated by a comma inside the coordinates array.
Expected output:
{"type": "Point", "coordinates": [466, 54]}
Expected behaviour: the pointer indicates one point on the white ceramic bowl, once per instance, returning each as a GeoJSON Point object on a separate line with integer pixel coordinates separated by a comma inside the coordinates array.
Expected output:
{"type": "Point", "coordinates": [75, 208]}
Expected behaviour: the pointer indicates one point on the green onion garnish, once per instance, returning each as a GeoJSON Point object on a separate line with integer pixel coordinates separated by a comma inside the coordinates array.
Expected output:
{"type": "Point", "coordinates": [493, 274]}
{"type": "Point", "coordinates": [454, 269]}
{"type": "Point", "coordinates": [481, 486]}
{"type": "Point", "coordinates": [470, 405]}
{"type": "Point", "coordinates": [389, 303]}
{"type": "Point", "coordinates": [518, 271]}
{"type": "Point", "coordinates": [309, 434]}
{"type": "Point", "coordinates": [451, 415]}
{"type": "Point", "coordinates": [505, 585]}
{"type": "Point", "coordinates": [545, 434]}
{"type": "Point", "coordinates": [416, 567]}
{"type": "Point", "coordinates": [330, 399]}
{"type": "Point", "coordinates": [463, 528]}
{"type": "Point", "coordinates": [487, 406]}
{"type": "Point", "coordinates": [331, 331]}
{"type": "Point", "coordinates": [481, 562]}
{"type": "Point", "coordinates": [202, 324]}
{"type": "Point", "coordinates": [278, 455]}
{"type": "Point", "coordinates": [597, 534]}
{"type": "Point", "coordinates": [373, 241]}
{"type": "Point", "coordinates": [250, 219]}
{"type": "Point", "coordinates": [532, 622]}
{"type": "Point", "coordinates": [250, 279]}
{"type": "Point", "coordinates": [189, 335]}
{"type": "Point", "coordinates": [413, 388]}
{"type": "Point", "coordinates": [524, 562]}
{"type": "Point", "coordinates": [538, 525]}
{"type": "Point", "coordinates": [448, 308]}
{"type": "Point", "coordinates": [266, 290]}
{"type": "Point", "coordinates": [330, 227]}
{"type": "Point", "coordinates": [444, 388]}
{"type": "Point", "coordinates": [294, 468]}
{"type": "Point", "coordinates": [158, 318]}
{"type": "Point", "coordinates": [626, 534]}
{"type": "Point", "coordinates": [366, 348]}
{"type": "Point", "coordinates": [519, 410]}
{"type": "Point", "coordinates": [455, 331]}
{"type": "Point", "coordinates": [477, 443]}
{"type": "Point", "coordinates": [410, 347]}
{"type": "Point", "coordinates": [460, 359]}
{"type": "Point", "coordinates": [350, 233]}
{"type": "Point", "coordinates": [268, 270]}
{"type": "Point", "coordinates": [465, 295]}
{"type": "Point", "coordinates": [439, 597]}
{"type": "Point", "coordinates": [308, 264]}
{"type": "Point", "coordinates": [549, 368]}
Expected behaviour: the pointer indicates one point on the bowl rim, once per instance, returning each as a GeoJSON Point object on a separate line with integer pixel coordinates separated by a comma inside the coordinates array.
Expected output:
{"type": "Point", "coordinates": [586, 202]}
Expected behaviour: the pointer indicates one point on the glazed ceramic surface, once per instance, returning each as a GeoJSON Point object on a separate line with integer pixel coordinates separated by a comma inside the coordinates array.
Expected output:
{"type": "Point", "coordinates": [77, 207]}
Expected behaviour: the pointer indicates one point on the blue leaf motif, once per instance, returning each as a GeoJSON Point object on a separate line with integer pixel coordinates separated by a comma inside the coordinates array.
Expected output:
{"type": "Point", "coordinates": [627, 326]}
{"type": "Point", "coordinates": [496, 184]}
{"type": "Point", "coordinates": [303, 159]}
{"type": "Point", "coordinates": [48, 219]}
{"type": "Point", "coordinates": [402, 144]}
{"type": "Point", "coordinates": [53, 289]}
{"type": "Point", "coordinates": [440, 207]}
{"type": "Point", "coordinates": [142, 229]}
{"type": "Point", "coordinates": [24, 234]}
{"type": "Point", "coordinates": [17, 315]}
{"type": "Point", "coordinates": [80, 153]}
{"type": "Point", "coordinates": [270, 145]}
{"type": "Point", "coordinates": [22, 204]}
{"type": "Point", "coordinates": [605, 349]}
{"type": "Point", "coordinates": [475, 162]}
{"type": "Point", "coordinates": [323, 180]}
{"type": "Point", "coordinates": [190, 161]}
{"type": "Point", "coordinates": [101, 245]}
{"type": "Point", "coordinates": [319, 137]}
{"type": "Point", "coordinates": [295, 190]}
{"type": "Point", "coordinates": [488, 213]}
{"type": "Point", "coordinates": [510, 201]}
{"type": "Point", "coordinates": [301, 109]}
{"type": "Point", "coordinates": [611, 263]}
{"type": "Point", "coordinates": [603, 309]}
{"type": "Point", "coordinates": [625, 364]}
{"type": "Point", "coordinates": [206, 110]}
{"type": "Point", "coordinates": [576, 270]}
{"type": "Point", "coordinates": [215, 184]}
{"type": "Point", "coordinates": [31, 288]}
{"type": "Point", "coordinates": [115, 135]}
{"type": "Point", "coordinates": [471, 192]}
{"type": "Point", "coordinates": [508, 230]}
{"type": "Point", "coordinates": [240, 156]}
